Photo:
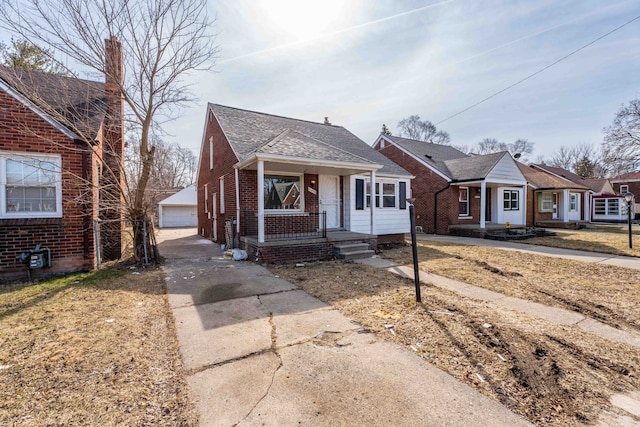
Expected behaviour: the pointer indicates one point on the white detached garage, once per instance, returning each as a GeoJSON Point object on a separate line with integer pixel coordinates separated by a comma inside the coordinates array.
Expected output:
{"type": "Point", "coordinates": [179, 210]}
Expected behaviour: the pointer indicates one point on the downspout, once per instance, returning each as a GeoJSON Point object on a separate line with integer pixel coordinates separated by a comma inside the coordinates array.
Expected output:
{"type": "Point", "coordinates": [435, 207]}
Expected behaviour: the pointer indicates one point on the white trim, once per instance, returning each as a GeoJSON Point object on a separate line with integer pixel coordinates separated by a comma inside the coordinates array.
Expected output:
{"type": "Point", "coordinates": [37, 110]}
{"type": "Point", "coordinates": [260, 201]}
{"type": "Point", "coordinates": [55, 159]}
{"type": "Point", "coordinates": [306, 161]}
{"type": "Point", "coordinates": [483, 202]}
{"type": "Point", "coordinates": [300, 189]}
{"type": "Point", "coordinates": [221, 189]}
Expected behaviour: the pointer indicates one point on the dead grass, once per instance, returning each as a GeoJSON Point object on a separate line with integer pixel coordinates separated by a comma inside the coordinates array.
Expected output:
{"type": "Point", "coordinates": [551, 374]}
{"type": "Point", "coordinates": [608, 239]}
{"type": "Point", "coordinates": [91, 349]}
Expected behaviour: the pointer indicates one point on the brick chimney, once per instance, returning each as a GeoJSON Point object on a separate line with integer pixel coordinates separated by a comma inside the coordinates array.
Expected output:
{"type": "Point", "coordinates": [112, 179]}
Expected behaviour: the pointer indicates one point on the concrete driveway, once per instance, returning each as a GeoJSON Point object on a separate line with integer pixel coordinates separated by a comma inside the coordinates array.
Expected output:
{"type": "Point", "coordinates": [260, 351]}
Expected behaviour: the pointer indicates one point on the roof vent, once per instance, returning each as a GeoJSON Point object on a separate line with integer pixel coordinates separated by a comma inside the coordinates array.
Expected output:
{"type": "Point", "coordinates": [428, 156]}
{"type": "Point", "coordinates": [326, 121]}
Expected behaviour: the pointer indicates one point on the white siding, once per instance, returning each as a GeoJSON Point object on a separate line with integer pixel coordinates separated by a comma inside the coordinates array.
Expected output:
{"type": "Point", "coordinates": [574, 215]}
{"type": "Point", "coordinates": [388, 220]}
{"type": "Point", "coordinates": [178, 216]}
{"type": "Point", "coordinates": [515, 217]}
{"type": "Point", "coordinates": [506, 171]}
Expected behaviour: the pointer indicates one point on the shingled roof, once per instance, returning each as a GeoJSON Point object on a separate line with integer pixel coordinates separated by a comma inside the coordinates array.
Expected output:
{"type": "Point", "coordinates": [433, 154]}
{"type": "Point", "coordinates": [77, 104]}
{"type": "Point", "coordinates": [450, 161]}
{"type": "Point", "coordinates": [250, 133]}
{"type": "Point", "coordinates": [546, 181]}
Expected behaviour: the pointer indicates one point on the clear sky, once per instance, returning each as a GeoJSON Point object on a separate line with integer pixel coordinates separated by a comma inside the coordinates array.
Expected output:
{"type": "Point", "coordinates": [365, 63]}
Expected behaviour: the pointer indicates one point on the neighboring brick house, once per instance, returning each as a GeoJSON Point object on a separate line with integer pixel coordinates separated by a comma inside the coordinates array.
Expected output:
{"type": "Point", "coordinates": [554, 201]}
{"type": "Point", "coordinates": [49, 174]}
{"type": "Point", "coordinates": [275, 186]}
{"type": "Point", "coordinates": [454, 191]}
{"type": "Point", "coordinates": [598, 203]}
{"type": "Point", "coordinates": [628, 183]}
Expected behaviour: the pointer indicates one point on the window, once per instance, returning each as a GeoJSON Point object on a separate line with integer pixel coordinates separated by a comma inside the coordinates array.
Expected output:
{"type": "Point", "coordinates": [282, 192]}
{"type": "Point", "coordinates": [573, 202]}
{"type": "Point", "coordinates": [624, 189]}
{"type": "Point", "coordinates": [388, 195]}
{"type": "Point", "coordinates": [545, 202]}
{"type": "Point", "coordinates": [30, 186]}
{"type": "Point", "coordinates": [222, 194]}
{"type": "Point", "coordinates": [511, 200]}
{"type": "Point", "coordinates": [368, 194]}
{"type": "Point", "coordinates": [606, 206]}
{"type": "Point", "coordinates": [463, 201]}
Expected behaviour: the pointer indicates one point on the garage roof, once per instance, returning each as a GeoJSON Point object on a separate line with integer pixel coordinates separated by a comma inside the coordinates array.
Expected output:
{"type": "Point", "coordinates": [184, 197]}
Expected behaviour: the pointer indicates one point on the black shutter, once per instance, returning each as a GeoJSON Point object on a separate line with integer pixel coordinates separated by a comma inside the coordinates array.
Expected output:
{"type": "Point", "coordinates": [403, 195]}
{"type": "Point", "coordinates": [359, 194]}
{"type": "Point", "coordinates": [377, 194]}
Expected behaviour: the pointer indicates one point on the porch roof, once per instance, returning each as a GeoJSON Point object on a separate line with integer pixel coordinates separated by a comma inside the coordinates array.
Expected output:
{"type": "Point", "coordinates": [258, 136]}
{"type": "Point", "coordinates": [546, 181]}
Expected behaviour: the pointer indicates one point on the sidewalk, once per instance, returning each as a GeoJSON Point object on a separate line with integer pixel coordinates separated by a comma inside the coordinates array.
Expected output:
{"type": "Point", "coordinates": [260, 351]}
{"type": "Point", "coordinates": [615, 260]}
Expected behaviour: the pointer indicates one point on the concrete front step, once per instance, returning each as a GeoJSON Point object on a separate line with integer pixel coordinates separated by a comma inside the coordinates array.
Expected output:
{"type": "Point", "coordinates": [350, 247]}
{"type": "Point", "coordinates": [353, 251]}
{"type": "Point", "coordinates": [348, 256]}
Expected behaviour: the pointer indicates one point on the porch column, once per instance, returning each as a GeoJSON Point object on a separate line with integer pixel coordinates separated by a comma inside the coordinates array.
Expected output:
{"type": "Point", "coordinates": [483, 202]}
{"type": "Point", "coordinates": [565, 205]}
{"type": "Point", "coordinates": [524, 205]}
{"type": "Point", "coordinates": [261, 201]}
{"type": "Point", "coordinates": [372, 207]}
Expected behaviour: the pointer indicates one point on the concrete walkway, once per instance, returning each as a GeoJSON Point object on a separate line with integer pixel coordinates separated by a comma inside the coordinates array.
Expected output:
{"type": "Point", "coordinates": [597, 257]}
{"type": "Point", "coordinates": [260, 351]}
{"type": "Point", "coordinates": [551, 314]}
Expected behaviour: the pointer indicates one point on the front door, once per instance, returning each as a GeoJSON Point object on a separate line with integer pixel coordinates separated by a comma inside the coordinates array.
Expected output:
{"type": "Point", "coordinates": [554, 197]}
{"type": "Point", "coordinates": [329, 195]}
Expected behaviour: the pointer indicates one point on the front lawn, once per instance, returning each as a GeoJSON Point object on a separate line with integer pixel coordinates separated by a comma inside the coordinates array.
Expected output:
{"type": "Point", "coordinates": [608, 239]}
{"type": "Point", "coordinates": [91, 349]}
{"type": "Point", "coordinates": [554, 375]}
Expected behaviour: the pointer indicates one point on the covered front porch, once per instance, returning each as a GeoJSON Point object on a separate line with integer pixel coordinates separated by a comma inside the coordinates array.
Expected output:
{"type": "Point", "coordinates": [295, 199]}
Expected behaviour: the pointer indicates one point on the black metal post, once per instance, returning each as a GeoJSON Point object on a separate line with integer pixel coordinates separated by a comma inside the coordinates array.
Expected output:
{"type": "Point", "coordinates": [414, 248]}
{"type": "Point", "coordinates": [629, 211]}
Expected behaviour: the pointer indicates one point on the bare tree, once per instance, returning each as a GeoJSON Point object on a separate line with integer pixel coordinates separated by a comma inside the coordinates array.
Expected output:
{"type": "Point", "coordinates": [621, 146]}
{"type": "Point", "coordinates": [162, 41]}
{"type": "Point", "coordinates": [520, 148]}
{"type": "Point", "coordinates": [581, 159]}
{"type": "Point", "coordinates": [422, 130]}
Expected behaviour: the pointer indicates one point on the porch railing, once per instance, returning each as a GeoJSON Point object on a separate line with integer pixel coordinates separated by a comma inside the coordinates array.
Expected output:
{"type": "Point", "coordinates": [285, 225]}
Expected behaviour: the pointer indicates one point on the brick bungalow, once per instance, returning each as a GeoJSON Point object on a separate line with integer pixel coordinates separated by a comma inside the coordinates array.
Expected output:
{"type": "Point", "coordinates": [49, 173]}
{"type": "Point", "coordinates": [289, 189]}
{"type": "Point", "coordinates": [458, 193]}
{"type": "Point", "coordinates": [599, 203]}
{"type": "Point", "coordinates": [628, 183]}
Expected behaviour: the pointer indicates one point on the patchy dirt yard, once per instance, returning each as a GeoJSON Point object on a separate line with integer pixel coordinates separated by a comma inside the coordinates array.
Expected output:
{"type": "Point", "coordinates": [91, 349]}
{"type": "Point", "coordinates": [551, 374]}
{"type": "Point", "coordinates": [608, 239]}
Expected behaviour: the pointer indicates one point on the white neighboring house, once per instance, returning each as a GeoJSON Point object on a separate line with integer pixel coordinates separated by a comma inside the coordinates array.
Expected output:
{"type": "Point", "coordinates": [179, 210]}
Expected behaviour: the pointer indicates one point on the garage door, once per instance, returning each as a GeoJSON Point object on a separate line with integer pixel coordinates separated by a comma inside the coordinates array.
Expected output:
{"type": "Point", "coordinates": [179, 216]}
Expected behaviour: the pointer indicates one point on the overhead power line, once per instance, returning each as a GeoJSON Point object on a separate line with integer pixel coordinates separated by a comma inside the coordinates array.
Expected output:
{"type": "Point", "coordinates": [539, 71]}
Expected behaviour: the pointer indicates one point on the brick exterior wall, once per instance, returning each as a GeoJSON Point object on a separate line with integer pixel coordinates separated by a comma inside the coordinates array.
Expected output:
{"type": "Point", "coordinates": [425, 187]}
{"type": "Point", "coordinates": [634, 187]}
{"type": "Point", "coordinates": [223, 160]}
{"type": "Point", "coordinates": [70, 238]}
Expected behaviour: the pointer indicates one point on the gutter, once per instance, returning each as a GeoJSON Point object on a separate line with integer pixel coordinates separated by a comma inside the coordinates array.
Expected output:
{"type": "Point", "coordinates": [435, 207]}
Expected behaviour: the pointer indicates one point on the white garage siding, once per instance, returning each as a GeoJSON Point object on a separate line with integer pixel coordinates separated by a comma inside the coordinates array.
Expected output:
{"type": "Point", "coordinates": [178, 216]}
